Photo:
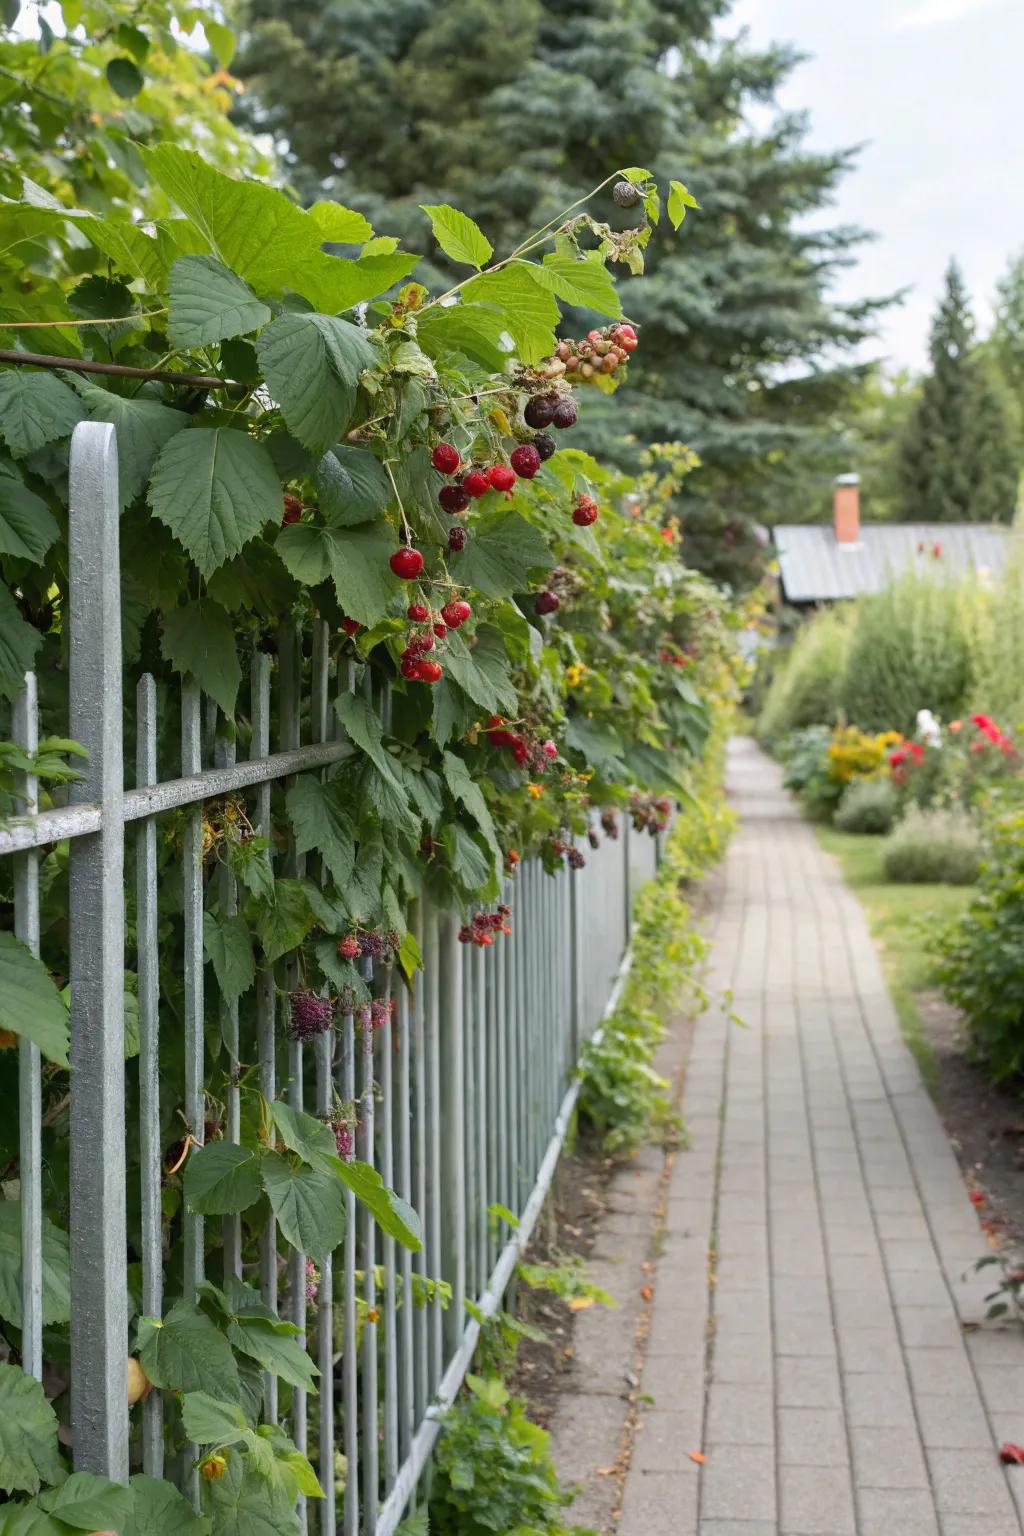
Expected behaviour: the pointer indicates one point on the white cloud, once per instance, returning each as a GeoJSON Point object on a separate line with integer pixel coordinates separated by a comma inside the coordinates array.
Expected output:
{"type": "Point", "coordinates": [934, 12]}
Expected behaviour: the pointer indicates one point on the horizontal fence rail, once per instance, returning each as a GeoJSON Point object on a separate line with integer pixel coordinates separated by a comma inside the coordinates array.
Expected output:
{"type": "Point", "coordinates": [462, 1100]}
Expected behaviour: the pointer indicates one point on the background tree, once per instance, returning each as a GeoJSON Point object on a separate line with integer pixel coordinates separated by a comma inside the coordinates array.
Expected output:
{"type": "Point", "coordinates": [744, 355]}
{"type": "Point", "coordinates": [957, 460]}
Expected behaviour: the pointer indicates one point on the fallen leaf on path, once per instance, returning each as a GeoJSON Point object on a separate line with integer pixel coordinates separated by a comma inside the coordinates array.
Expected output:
{"type": "Point", "coordinates": [697, 1456]}
{"type": "Point", "coordinates": [1012, 1454]}
{"type": "Point", "coordinates": [606, 1471]}
{"type": "Point", "coordinates": [581, 1303]}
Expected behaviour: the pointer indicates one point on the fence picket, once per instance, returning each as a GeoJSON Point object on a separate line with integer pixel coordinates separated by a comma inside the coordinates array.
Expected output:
{"type": "Point", "coordinates": [30, 1098]}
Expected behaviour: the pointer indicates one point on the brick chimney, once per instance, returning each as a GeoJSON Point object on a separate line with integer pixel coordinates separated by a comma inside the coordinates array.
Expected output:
{"type": "Point", "coordinates": [846, 511]}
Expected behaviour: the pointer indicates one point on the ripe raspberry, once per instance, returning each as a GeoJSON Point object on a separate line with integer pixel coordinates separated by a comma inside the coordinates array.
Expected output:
{"type": "Point", "coordinates": [445, 457]}
{"type": "Point", "coordinates": [440, 630]}
{"type": "Point", "coordinates": [476, 483]}
{"type": "Point", "coordinates": [584, 512]}
{"type": "Point", "coordinates": [292, 508]}
{"type": "Point", "coordinates": [418, 612]}
{"type": "Point", "coordinates": [456, 540]}
{"type": "Point", "coordinates": [406, 563]}
{"type": "Point", "coordinates": [495, 920]}
{"type": "Point", "coordinates": [456, 612]}
{"type": "Point", "coordinates": [545, 445]}
{"type": "Point", "coordinates": [378, 1013]}
{"type": "Point", "coordinates": [539, 411]}
{"type": "Point", "coordinates": [501, 478]}
{"type": "Point", "coordinates": [453, 498]}
{"type": "Point", "coordinates": [525, 460]}
{"type": "Point", "coordinates": [575, 858]}
{"type": "Point", "coordinates": [481, 920]}
{"type": "Point", "coordinates": [351, 626]}
{"type": "Point", "coordinates": [549, 749]}
{"type": "Point", "coordinates": [344, 1139]}
{"type": "Point", "coordinates": [310, 1015]}
{"type": "Point", "coordinates": [547, 602]}
{"type": "Point", "coordinates": [565, 413]}
{"type": "Point", "coordinates": [625, 194]}
{"type": "Point", "coordinates": [430, 672]}
{"type": "Point", "coordinates": [349, 947]}
{"type": "Point", "coordinates": [410, 669]}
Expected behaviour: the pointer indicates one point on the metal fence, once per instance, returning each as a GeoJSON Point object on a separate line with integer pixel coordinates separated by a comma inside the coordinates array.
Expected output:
{"type": "Point", "coordinates": [463, 1097]}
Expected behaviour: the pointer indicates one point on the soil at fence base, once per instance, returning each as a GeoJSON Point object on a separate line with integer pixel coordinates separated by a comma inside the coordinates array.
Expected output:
{"type": "Point", "coordinates": [985, 1122]}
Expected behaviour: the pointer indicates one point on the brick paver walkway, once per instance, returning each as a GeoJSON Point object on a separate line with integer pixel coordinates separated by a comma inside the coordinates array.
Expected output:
{"type": "Point", "coordinates": [833, 1390]}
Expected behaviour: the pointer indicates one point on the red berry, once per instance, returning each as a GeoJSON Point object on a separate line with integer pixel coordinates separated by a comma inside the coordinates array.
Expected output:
{"type": "Point", "coordinates": [585, 512]}
{"type": "Point", "coordinates": [500, 477]}
{"type": "Point", "coordinates": [625, 330]}
{"type": "Point", "coordinates": [525, 460]}
{"type": "Point", "coordinates": [445, 457]}
{"type": "Point", "coordinates": [410, 668]}
{"type": "Point", "coordinates": [565, 413]}
{"type": "Point", "coordinates": [424, 642]}
{"type": "Point", "coordinates": [595, 336]}
{"type": "Point", "coordinates": [539, 411]}
{"type": "Point", "coordinates": [430, 672]}
{"type": "Point", "coordinates": [440, 630]}
{"type": "Point", "coordinates": [476, 483]}
{"type": "Point", "coordinates": [545, 445]}
{"type": "Point", "coordinates": [549, 749]}
{"type": "Point", "coordinates": [547, 602]}
{"type": "Point", "coordinates": [351, 626]}
{"type": "Point", "coordinates": [456, 612]}
{"type": "Point", "coordinates": [406, 563]}
{"type": "Point", "coordinates": [457, 540]}
{"type": "Point", "coordinates": [418, 612]}
{"type": "Point", "coordinates": [453, 498]}
{"type": "Point", "coordinates": [349, 947]}
{"type": "Point", "coordinates": [292, 508]}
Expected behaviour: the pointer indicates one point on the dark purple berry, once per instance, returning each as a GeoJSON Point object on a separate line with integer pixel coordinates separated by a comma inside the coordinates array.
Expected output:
{"type": "Point", "coordinates": [539, 411]}
{"type": "Point", "coordinates": [310, 1015]}
{"type": "Point", "coordinates": [453, 498]}
{"type": "Point", "coordinates": [565, 413]}
{"type": "Point", "coordinates": [456, 540]}
{"type": "Point", "coordinates": [547, 602]}
{"type": "Point", "coordinates": [545, 445]}
{"type": "Point", "coordinates": [576, 859]}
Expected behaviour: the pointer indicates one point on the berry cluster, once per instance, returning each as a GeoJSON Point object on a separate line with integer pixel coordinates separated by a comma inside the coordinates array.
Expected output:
{"type": "Point", "coordinates": [482, 927]}
{"type": "Point", "coordinates": [343, 1124]}
{"type": "Point", "coordinates": [415, 665]}
{"type": "Point", "coordinates": [610, 824]}
{"type": "Point", "coordinates": [376, 1014]}
{"type": "Point", "coordinates": [310, 1015]}
{"type": "Point", "coordinates": [649, 813]}
{"type": "Point", "coordinates": [601, 351]}
{"type": "Point", "coordinates": [370, 943]}
{"type": "Point", "coordinates": [526, 753]}
{"type": "Point", "coordinates": [312, 1283]}
{"type": "Point", "coordinates": [673, 657]}
{"type": "Point", "coordinates": [561, 848]}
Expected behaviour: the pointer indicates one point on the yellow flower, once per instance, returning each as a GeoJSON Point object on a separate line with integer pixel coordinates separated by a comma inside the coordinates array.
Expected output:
{"type": "Point", "coordinates": [536, 790]}
{"type": "Point", "coordinates": [574, 675]}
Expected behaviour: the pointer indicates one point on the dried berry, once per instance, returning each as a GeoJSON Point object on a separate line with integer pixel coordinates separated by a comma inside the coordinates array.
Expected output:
{"type": "Point", "coordinates": [445, 457]}
{"type": "Point", "coordinates": [406, 563]}
{"type": "Point", "coordinates": [453, 498]}
{"type": "Point", "coordinates": [525, 459]}
{"type": "Point", "coordinates": [292, 508]}
{"type": "Point", "coordinates": [625, 194]}
{"type": "Point", "coordinates": [345, 1139]}
{"type": "Point", "coordinates": [310, 1015]}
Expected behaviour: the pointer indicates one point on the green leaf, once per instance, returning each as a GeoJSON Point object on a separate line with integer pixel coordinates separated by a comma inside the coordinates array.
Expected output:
{"type": "Point", "coordinates": [142, 428]}
{"type": "Point", "coordinates": [276, 1352]}
{"type": "Point", "coordinates": [363, 728]}
{"type": "Point", "coordinates": [472, 329]}
{"type": "Point", "coordinates": [30, 1004]}
{"type": "Point", "coordinates": [340, 973]}
{"type": "Point", "coordinates": [483, 671]}
{"type": "Point", "coordinates": [19, 642]}
{"type": "Point", "coordinates": [210, 1421]}
{"type": "Point", "coordinates": [28, 1434]}
{"type": "Point", "coordinates": [199, 642]}
{"type": "Point", "coordinates": [409, 956]}
{"type": "Point", "coordinates": [309, 1204]}
{"type": "Point", "coordinates": [352, 486]}
{"type": "Point", "coordinates": [679, 199]}
{"type": "Point", "coordinates": [56, 1268]}
{"type": "Point", "coordinates": [27, 526]}
{"type": "Point", "coordinates": [35, 409]}
{"type": "Point", "coordinates": [527, 308]}
{"type": "Point", "coordinates": [284, 925]}
{"type": "Point", "coordinates": [242, 1503]}
{"type": "Point", "coordinates": [582, 280]}
{"type": "Point", "coordinates": [333, 283]}
{"type": "Point", "coordinates": [87, 1502]}
{"type": "Point", "coordinates": [458, 236]}
{"type": "Point", "coordinates": [356, 558]}
{"type": "Point", "coordinates": [214, 488]}
{"type": "Point", "coordinates": [228, 946]}
{"type": "Point", "coordinates": [30, 1520]}
{"type": "Point", "coordinates": [470, 865]}
{"type": "Point", "coordinates": [312, 364]}
{"type": "Point", "coordinates": [499, 560]}
{"type": "Point", "coordinates": [221, 39]}
{"type": "Point", "coordinates": [392, 1214]}
{"type": "Point", "coordinates": [222, 1179]}
{"type": "Point", "coordinates": [187, 1353]}
{"type": "Point", "coordinates": [341, 226]}
{"type": "Point", "coordinates": [158, 1509]}
{"type": "Point", "coordinates": [209, 303]}
{"type": "Point", "coordinates": [124, 78]}
{"type": "Point", "coordinates": [304, 1135]}
{"type": "Point", "coordinates": [468, 793]}
{"type": "Point", "coordinates": [322, 824]}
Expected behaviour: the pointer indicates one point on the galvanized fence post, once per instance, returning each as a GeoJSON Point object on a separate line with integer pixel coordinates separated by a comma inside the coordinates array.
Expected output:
{"type": "Point", "coordinates": [99, 1310]}
{"type": "Point", "coordinates": [30, 1095]}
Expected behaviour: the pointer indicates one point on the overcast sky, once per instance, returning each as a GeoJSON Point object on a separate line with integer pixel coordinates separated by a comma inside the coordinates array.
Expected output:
{"type": "Point", "coordinates": [934, 89]}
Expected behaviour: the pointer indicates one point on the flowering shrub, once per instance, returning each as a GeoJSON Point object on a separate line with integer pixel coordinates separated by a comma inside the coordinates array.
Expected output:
{"type": "Point", "coordinates": [855, 754]}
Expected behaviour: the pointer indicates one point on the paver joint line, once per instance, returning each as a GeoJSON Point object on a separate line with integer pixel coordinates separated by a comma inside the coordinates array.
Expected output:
{"type": "Point", "coordinates": [839, 1395]}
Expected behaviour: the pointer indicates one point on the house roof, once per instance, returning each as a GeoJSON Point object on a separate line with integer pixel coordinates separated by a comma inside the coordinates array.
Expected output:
{"type": "Point", "coordinates": [814, 568]}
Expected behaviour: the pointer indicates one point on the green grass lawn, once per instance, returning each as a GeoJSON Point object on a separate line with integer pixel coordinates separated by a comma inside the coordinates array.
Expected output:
{"type": "Point", "coordinates": [901, 918]}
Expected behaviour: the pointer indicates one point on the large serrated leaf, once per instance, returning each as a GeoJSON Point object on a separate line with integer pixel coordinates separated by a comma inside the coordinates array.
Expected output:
{"type": "Point", "coordinates": [188, 1353]}
{"type": "Point", "coordinates": [278, 1354]}
{"type": "Point", "coordinates": [210, 303]}
{"type": "Point", "coordinates": [27, 526]}
{"type": "Point", "coordinates": [309, 1204]}
{"type": "Point", "coordinates": [242, 1503]}
{"type": "Point", "coordinates": [56, 1268]}
{"type": "Point", "coordinates": [391, 1213]}
{"type": "Point", "coordinates": [527, 308]}
{"type": "Point", "coordinates": [222, 1179]}
{"type": "Point", "coordinates": [284, 925]}
{"type": "Point", "coordinates": [158, 1509]}
{"type": "Point", "coordinates": [142, 428]}
{"type": "Point", "coordinates": [580, 280]}
{"type": "Point", "coordinates": [458, 236]}
{"type": "Point", "coordinates": [19, 642]}
{"type": "Point", "coordinates": [321, 824]}
{"type": "Point", "coordinates": [340, 225]}
{"type": "Point", "coordinates": [356, 558]}
{"type": "Point", "coordinates": [28, 1434]}
{"type": "Point", "coordinates": [468, 793]}
{"type": "Point", "coordinates": [311, 364]}
{"type": "Point", "coordinates": [30, 1004]}
{"type": "Point", "coordinates": [199, 642]}
{"type": "Point", "coordinates": [35, 409]}
{"type": "Point", "coordinates": [352, 486]}
{"type": "Point", "coordinates": [86, 1502]}
{"type": "Point", "coordinates": [214, 488]}
{"type": "Point", "coordinates": [505, 549]}
{"type": "Point", "coordinates": [472, 329]}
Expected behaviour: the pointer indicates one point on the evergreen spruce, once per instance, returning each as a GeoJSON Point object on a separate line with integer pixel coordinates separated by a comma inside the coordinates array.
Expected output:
{"type": "Point", "coordinates": [957, 459]}
{"type": "Point", "coordinates": [513, 112]}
